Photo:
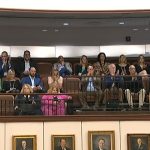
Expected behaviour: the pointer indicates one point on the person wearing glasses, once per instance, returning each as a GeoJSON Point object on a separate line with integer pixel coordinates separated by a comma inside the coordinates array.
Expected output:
{"type": "Point", "coordinates": [133, 85]}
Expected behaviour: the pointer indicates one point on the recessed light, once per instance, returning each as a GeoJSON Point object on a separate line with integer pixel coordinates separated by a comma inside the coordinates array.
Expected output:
{"type": "Point", "coordinates": [121, 23]}
{"type": "Point", "coordinates": [135, 29]}
{"type": "Point", "coordinates": [146, 29]}
{"type": "Point", "coordinates": [66, 24]}
{"type": "Point", "coordinates": [44, 30]}
{"type": "Point", "coordinates": [56, 30]}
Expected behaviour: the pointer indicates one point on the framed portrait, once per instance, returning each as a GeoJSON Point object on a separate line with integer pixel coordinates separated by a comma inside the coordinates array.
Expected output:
{"type": "Point", "coordinates": [60, 142]}
{"type": "Point", "coordinates": [138, 141]}
{"type": "Point", "coordinates": [27, 142]}
{"type": "Point", "coordinates": [101, 140]}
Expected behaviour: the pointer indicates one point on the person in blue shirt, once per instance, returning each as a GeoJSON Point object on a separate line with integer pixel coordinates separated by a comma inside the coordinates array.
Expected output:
{"type": "Point", "coordinates": [34, 81]}
{"type": "Point", "coordinates": [91, 87]}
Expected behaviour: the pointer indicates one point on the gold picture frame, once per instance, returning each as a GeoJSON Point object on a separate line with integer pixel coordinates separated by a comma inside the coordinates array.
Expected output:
{"type": "Point", "coordinates": [138, 141]}
{"type": "Point", "coordinates": [28, 141]}
{"type": "Point", "coordinates": [67, 140]}
{"type": "Point", "coordinates": [103, 139]}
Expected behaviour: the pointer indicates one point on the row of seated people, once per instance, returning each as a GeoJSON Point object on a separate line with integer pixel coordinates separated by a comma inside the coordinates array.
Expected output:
{"type": "Point", "coordinates": [99, 86]}
{"type": "Point", "coordinates": [29, 103]}
{"type": "Point", "coordinates": [22, 65]}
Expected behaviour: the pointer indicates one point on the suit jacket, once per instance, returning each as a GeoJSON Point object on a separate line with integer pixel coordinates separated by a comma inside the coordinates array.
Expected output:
{"type": "Point", "coordinates": [26, 106]}
{"type": "Point", "coordinates": [59, 148]}
{"type": "Point", "coordinates": [96, 82]}
{"type": "Point", "coordinates": [110, 80]}
{"type": "Point", "coordinates": [25, 149]}
{"type": "Point", "coordinates": [99, 149]}
{"type": "Point", "coordinates": [37, 82]}
{"type": "Point", "coordinates": [20, 67]}
{"type": "Point", "coordinates": [8, 66]}
{"type": "Point", "coordinates": [142, 147]}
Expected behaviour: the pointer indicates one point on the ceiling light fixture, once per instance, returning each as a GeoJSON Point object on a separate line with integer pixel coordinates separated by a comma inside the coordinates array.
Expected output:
{"type": "Point", "coordinates": [146, 29]}
{"type": "Point", "coordinates": [56, 30]}
{"type": "Point", "coordinates": [44, 30]}
{"type": "Point", "coordinates": [135, 29]}
{"type": "Point", "coordinates": [66, 24]}
{"type": "Point", "coordinates": [121, 23]}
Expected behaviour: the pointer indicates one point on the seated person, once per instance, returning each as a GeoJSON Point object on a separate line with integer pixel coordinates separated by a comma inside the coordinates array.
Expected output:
{"type": "Point", "coordinates": [56, 79]}
{"type": "Point", "coordinates": [5, 64]}
{"type": "Point", "coordinates": [11, 84]}
{"type": "Point", "coordinates": [91, 86]}
{"type": "Point", "coordinates": [24, 64]}
{"type": "Point", "coordinates": [133, 85]}
{"type": "Point", "coordinates": [54, 104]}
{"type": "Point", "coordinates": [63, 67]}
{"type": "Point", "coordinates": [122, 68]}
{"type": "Point", "coordinates": [101, 66]}
{"type": "Point", "coordinates": [27, 104]}
{"type": "Point", "coordinates": [34, 81]}
{"type": "Point", "coordinates": [81, 69]}
{"type": "Point", "coordinates": [112, 85]}
{"type": "Point", "coordinates": [143, 69]}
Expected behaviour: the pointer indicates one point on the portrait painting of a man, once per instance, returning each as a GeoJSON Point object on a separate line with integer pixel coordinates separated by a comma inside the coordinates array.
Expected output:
{"type": "Point", "coordinates": [63, 142]}
{"type": "Point", "coordinates": [24, 142]}
{"type": "Point", "coordinates": [138, 141]}
{"type": "Point", "coordinates": [101, 140]}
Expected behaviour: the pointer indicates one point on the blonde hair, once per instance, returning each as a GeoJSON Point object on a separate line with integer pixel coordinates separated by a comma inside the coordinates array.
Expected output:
{"type": "Point", "coordinates": [55, 70]}
{"type": "Point", "coordinates": [28, 86]}
{"type": "Point", "coordinates": [53, 87]}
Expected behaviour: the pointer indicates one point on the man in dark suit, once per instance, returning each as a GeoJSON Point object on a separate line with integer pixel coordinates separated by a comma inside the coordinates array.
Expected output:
{"type": "Point", "coordinates": [23, 65]}
{"type": "Point", "coordinates": [140, 145]}
{"type": "Point", "coordinates": [113, 85]}
{"type": "Point", "coordinates": [62, 145]}
{"type": "Point", "coordinates": [5, 64]}
{"type": "Point", "coordinates": [34, 81]}
{"type": "Point", "coordinates": [131, 82]}
{"type": "Point", "coordinates": [24, 146]}
{"type": "Point", "coordinates": [101, 144]}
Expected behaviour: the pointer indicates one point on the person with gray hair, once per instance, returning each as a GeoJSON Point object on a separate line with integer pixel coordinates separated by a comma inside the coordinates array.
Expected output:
{"type": "Point", "coordinates": [112, 85]}
{"type": "Point", "coordinates": [133, 86]}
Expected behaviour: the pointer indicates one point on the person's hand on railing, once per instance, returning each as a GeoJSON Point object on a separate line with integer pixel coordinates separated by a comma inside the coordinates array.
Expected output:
{"type": "Point", "coordinates": [33, 101]}
{"type": "Point", "coordinates": [16, 107]}
{"type": "Point", "coordinates": [69, 97]}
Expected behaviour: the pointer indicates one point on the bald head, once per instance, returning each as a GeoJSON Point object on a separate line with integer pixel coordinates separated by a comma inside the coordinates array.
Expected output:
{"type": "Point", "coordinates": [32, 72]}
{"type": "Point", "coordinates": [112, 69]}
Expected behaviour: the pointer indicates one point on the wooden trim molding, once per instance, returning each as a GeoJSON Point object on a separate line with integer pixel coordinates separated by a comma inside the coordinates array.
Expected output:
{"type": "Point", "coordinates": [73, 11]}
{"type": "Point", "coordinates": [103, 117]}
